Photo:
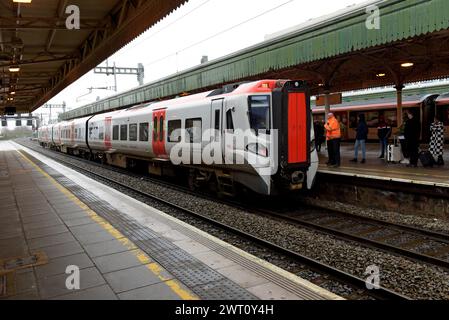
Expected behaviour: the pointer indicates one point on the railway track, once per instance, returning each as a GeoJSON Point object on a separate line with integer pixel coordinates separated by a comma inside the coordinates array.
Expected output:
{"type": "Point", "coordinates": [357, 283]}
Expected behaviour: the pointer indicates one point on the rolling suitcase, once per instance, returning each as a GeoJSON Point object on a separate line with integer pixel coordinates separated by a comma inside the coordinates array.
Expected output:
{"type": "Point", "coordinates": [394, 153]}
{"type": "Point", "coordinates": [426, 159]}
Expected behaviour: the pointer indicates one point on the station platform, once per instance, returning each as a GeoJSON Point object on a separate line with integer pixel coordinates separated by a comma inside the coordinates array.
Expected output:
{"type": "Point", "coordinates": [54, 221]}
{"type": "Point", "coordinates": [379, 169]}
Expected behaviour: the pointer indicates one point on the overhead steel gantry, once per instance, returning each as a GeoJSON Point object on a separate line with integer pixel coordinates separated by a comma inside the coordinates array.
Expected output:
{"type": "Point", "coordinates": [334, 53]}
{"type": "Point", "coordinates": [39, 56]}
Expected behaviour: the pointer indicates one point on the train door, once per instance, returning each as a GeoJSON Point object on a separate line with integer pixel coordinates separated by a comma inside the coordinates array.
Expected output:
{"type": "Point", "coordinates": [216, 118]}
{"type": "Point", "coordinates": [158, 140]}
{"type": "Point", "coordinates": [107, 132]}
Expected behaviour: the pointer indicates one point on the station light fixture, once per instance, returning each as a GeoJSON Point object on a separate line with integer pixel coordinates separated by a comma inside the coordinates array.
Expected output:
{"type": "Point", "coordinates": [380, 75]}
{"type": "Point", "coordinates": [12, 93]}
{"type": "Point", "coordinates": [407, 64]}
{"type": "Point", "coordinates": [22, 1]}
{"type": "Point", "coordinates": [14, 68]}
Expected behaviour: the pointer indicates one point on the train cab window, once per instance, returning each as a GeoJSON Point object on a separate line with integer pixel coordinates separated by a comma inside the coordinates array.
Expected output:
{"type": "Point", "coordinates": [18, 123]}
{"type": "Point", "coordinates": [133, 132]}
{"type": "Point", "coordinates": [4, 123]}
{"type": "Point", "coordinates": [259, 113]}
{"type": "Point", "coordinates": [174, 131]}
{"type": "Point", "coordinates": [161, 128]}
{"type": "Point", "coordinates": [229, 121]}
{"type": "Point", "coordinates": [123, 132]}
{"type": "Point", "coordinates": [193, 130]}
{"type": "Point", "coordinates": [115, 132]}
{"type": "Point", "coordinates": [143, 131]}
{"type": "Point", "coordinates": [29, 123]}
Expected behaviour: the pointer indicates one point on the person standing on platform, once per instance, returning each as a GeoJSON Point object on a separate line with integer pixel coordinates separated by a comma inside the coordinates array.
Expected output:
{"type": "Point", "coordinates": [383, 132]}
{"type": "Point", "coordinates": [319, 135]}
{"type": "Point", "coordinates": [333, 136]}
{"type": "Point", "coordinates": [360, 139]}
{"type": "Point", "coordinates": [412, 132]}
{"type": "Point", "coordinates": [403, 142]}
{"type": "Point", "coordinates": [437, 141]}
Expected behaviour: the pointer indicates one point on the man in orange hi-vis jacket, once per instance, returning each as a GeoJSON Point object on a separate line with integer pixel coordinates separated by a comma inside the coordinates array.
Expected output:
{"type": "Point", "coordinates": [333, 137]}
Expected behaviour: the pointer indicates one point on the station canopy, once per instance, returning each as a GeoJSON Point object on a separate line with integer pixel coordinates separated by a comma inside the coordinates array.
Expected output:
{"type": "Point", "coordinates": [340, 52]}
{"type": "Point", "coordinates": [39, 56]}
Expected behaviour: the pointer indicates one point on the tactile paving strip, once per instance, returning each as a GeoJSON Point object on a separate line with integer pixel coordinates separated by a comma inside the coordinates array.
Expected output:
{"type": "Point", "coordinates": [207, 283]}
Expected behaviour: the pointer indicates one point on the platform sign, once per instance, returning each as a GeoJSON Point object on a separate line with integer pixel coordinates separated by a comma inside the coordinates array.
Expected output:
{"type": "Point", "coordinates": [334, 98]}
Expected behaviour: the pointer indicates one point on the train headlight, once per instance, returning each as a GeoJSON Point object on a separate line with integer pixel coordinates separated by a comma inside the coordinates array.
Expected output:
{"type": "Point", "coordinates": [258, 149]}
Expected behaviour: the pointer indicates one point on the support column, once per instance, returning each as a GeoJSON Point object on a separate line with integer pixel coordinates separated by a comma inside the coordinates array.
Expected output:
{"type": "Point", "coordinates": [399, 88]}
{"type": "Point", "coordinates": [327, 108]}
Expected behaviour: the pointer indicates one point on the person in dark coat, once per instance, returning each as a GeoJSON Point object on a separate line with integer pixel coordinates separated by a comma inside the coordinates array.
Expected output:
{"type": "Point", "coordinates": [360, 139]}
{"type": "Point", "coordinates": [412, 132]}
{"type": "Point", "coordinates": [383, 132]}
{"type": "Point", "coordinates": [319, 135]}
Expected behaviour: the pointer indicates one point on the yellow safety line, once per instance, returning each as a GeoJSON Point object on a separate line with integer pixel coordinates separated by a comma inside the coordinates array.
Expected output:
{"type": "Point", "coordinates": [154, 267]}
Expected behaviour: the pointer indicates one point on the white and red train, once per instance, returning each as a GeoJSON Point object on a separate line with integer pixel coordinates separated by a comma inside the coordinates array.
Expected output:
{"type": "Point", "coordinates": [279, 153]}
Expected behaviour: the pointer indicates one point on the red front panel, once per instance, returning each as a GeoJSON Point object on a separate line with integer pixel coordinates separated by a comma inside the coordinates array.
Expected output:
{"type": "Point", "coordinates": [297, 128]}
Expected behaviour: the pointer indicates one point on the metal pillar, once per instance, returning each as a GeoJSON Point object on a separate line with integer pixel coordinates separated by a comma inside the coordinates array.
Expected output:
{"type": "Point", "coordinates": [399, 88]}
{"type": "Point", "coordinates": [327, 106]}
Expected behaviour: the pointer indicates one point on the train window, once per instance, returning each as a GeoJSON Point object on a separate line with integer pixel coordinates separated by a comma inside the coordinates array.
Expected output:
{"type": "Point", "coordinates": [372, 119]}
{"type": "Point", "coordinates": [174, 131]}
{"type": "Point", "coordinates": [101, 133]}
{"type": "Point", "coordinates": [133, 132]}
{"type": "Point", "coordinates": [4, 123]}
{"type": "Point", "coordinates": [217, 120]}
{"type": "Point", "coordinates": [143, 131]}
{"type": "Point", "coordinates": [259, 113]}
{"type": "Point", "coordinates": [115, 132]}
{"type": "Point", "coordinates": [29, 123]}
{"type": "Point", "coordinates": [123, 132]}
{"type": "Point", "coordinates": [193, 130]}
{"type": "Point", "coordinates": [229, 121]}
{"type": "Point", "coordinates": [155, 129]}
{"type": "Point", "coordinates": [18, 123]}
{"type": "Point", "coordinates": [391, 117]}
{"type": "Point", "coordinates": [161, 128]}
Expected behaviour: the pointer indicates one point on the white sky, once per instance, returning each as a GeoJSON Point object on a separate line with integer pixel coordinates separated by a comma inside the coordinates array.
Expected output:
{"type": "Point", "coordinates": [190, 24]}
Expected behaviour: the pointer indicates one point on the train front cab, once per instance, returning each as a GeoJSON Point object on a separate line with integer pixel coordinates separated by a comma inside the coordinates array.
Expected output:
{"type": "Point", "coordinates": [292, 118]}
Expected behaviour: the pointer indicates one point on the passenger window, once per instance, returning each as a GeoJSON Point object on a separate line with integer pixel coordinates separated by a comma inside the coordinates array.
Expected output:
{"type": "Point", "coordinates": [161, 128]}
{"type": "Point", "coordinates": [229, 121]}
{"type": "Point", "coordinates": [133, 132]}
{"type": "Point", "coordinates": [18, 123]}
{"type": "Point", "coordinates": [4, 123]}
{"type": "Point", "coordinates": [193, 130]}
{"type": "Point", "coordinates": [143, 131]}
{"type": "Point", "coordinates": [115, 132]}
{"type": "Point", "coordinates": [123, 132]}
{"type": "Point", "coordinates": [29, 123]}
{"type": "Point", "coordinates": [174, 131]}
{"type": "Point", "coordinates": [155, 129]}
{"type": "Point", "coordinates": [101, 133]}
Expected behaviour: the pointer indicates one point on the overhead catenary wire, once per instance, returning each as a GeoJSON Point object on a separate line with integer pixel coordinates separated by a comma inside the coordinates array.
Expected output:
{"type": "Point", "coordinates": [145, 38]}
{"type": "Point", "coordinates": [218, 33]}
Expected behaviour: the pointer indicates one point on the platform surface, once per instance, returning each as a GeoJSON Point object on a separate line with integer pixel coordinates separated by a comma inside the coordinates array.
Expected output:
{"type": "Point", "coordinates": [378, 169]}
{"type": "Point", "coordinates": [123, 248]}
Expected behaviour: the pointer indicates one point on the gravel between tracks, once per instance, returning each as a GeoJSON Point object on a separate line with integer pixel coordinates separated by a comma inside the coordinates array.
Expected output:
{"type": "Point", "coordinates": [418, 281]}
